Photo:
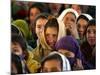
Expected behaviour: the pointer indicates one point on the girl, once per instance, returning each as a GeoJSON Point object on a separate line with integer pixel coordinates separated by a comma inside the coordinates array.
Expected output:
{"type": "Point", "coordinates": [55, 62]}
{"type": "Point", "coordinates": [53, 31]}
{"type": "Point", "coordinates": [69, 16]}
{"type": "Point", "coordinates": [82, 22]}
{"type": "Point", "coordinates": [25, 58]}
{"type": "Point", "coordinates": [88, 47]}
{"type": "Point", "coordinates": [69, 47]}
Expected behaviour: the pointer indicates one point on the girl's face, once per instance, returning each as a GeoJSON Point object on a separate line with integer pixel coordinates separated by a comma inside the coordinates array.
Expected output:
{"type": "Point", "coordinates": [91, 35]}
{"type": "Point", "coordinates": [40, 23]}
{"type": "Point", "coordinates": [16, 48]}
{"type": "Point", "coordinates": [33, 13]}
{"type": "Point", "coordinates": [77, 8]}
{"type": "Point", "coordinates": [81, 27]}
{"type": "Point", "coordinates": [69, 20]}
{"type": "Point", "coordinates": [51, 35]}
{"type": "Point", "coordinates": [52, 66]}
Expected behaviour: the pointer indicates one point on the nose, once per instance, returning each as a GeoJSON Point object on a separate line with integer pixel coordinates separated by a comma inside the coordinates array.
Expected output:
{"type": "Point", "coordinates": [81, 30]}
{"type": "Point", "coordinates": [91, 34]}
{"type": "Point", "coordinates": [68, 22]}
{"type": "Point", "coordinates": [51, 39]}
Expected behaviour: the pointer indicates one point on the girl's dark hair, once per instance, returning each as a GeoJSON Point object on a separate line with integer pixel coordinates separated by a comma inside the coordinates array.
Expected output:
{"type": "Point", "coordinates": [91, 23]}
{"type": "Point", "coordinates": [14, 30]}
{"type": "Point", "coordinates": [82, 17]}
{"type": "Point", "coordinates": [91, 11]}
{"type": "Point", "coordinates": [41, 15]}
{"type": "Point", "coordinates": [19, 39]}
{"type": "Point", "coordinates": [52, 57]}
{"type": "Point", "coordinates": [39, 6]}
{"type": "Point", "coordinates": [16, 60]}
{"type": "Point", "coordinates": [52, 22]}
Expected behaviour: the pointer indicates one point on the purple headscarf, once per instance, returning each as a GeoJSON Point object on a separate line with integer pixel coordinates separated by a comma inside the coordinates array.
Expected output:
{"type": "Point", "coordinates": [69, 43]}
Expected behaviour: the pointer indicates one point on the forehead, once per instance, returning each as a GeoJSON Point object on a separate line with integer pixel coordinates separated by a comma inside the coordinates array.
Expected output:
{"type": "Point", "coordinates": [52, 63]}
{"type": "Point", "coordinates": [51, 30]}
{"type": "Point", "coordinates": [41, 20]}
{"type": "Point", "coordinates": [70, 14]}
{"type": "Point", "coordinates": [34, 9]}
{"type": "Point", "coordinates": [91, 27]}
{"type": "Point", "coordinates": [83, 21]}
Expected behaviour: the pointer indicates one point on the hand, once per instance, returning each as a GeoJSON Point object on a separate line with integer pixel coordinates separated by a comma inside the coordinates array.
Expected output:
{"type": "Point", "coordinates": [78, 65]}
{"type": "Point", "coordinates": [73, 30]}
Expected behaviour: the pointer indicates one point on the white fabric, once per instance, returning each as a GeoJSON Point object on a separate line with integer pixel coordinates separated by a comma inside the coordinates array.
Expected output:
{"type": "Point", "coordinates": [66, 64]}
{"type": "Point", "coordinates": [63, 14]}
{"type": "Point", "coordinates": [62, 30]}
{"type": "Point", "coordinates": [88, 16]}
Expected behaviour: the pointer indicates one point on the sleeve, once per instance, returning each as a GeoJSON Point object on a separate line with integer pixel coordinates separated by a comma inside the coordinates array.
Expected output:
{"type": "Point", "coordinates": [32, 64]}
{"type": "Point", "coordinates": [78, 52]}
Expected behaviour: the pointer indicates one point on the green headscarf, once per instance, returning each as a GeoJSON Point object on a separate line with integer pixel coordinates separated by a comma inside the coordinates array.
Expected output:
{"type": "Point", "coordinates": [23, 27]}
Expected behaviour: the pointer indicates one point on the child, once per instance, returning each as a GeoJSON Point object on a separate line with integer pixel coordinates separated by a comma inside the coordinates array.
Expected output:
{"type": "Point", "coordinates": [55, 62]}
{"type": "Point", "coordinates": [69, 47]}
{"type": "Point", "coordinates": [82, 22]}
{"type": "Point", "coordinates": [19, 48]}
{"type": "Point", "coordinates": [88, 47]}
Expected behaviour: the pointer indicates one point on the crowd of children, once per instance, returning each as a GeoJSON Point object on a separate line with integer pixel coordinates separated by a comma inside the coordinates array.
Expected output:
{"type": "Point", "coordinates": [51, 37]}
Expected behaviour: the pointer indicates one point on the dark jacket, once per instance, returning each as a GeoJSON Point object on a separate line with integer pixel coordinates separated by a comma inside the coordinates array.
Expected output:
{"type": "Point", "coordinates": [88, 57]}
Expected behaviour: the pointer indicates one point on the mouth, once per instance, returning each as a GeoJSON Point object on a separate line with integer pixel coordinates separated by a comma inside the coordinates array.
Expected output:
{"type": "Point", "coordinates": [81, 33]}
{"type": "Point", "coordinates": [92, 39]}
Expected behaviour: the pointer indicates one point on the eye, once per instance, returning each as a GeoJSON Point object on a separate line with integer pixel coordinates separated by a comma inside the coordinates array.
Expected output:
{"type": "Point", "coordinates": [84, 27]}
{"type": "Point", "coordinates": [54, 35]}
{"type": "Point", "coordinates": [15, 43]}
{"type": "Point", "coordinates": [78, 25]}
{"type": "Point", "coordinates": [72, 20]}
{"type": "Point", "coordinates": [88, 31]}
{"type": "Point", "coordinates": [39, 27]}
{"type": "Point", "coordinates": [47, 35]}
{"type": "Point", "coordinates": [91, 31]}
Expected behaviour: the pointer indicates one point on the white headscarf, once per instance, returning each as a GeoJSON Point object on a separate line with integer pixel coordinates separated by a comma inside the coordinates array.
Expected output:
{"type": "Point", "coordinates": [62, 30]}
{"type": "Point", "coordinates": [87, 15]}
{"type": "Point", "coordinates": [66, 64]}
{"type": "Point", "coordinates": [63, 14]}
